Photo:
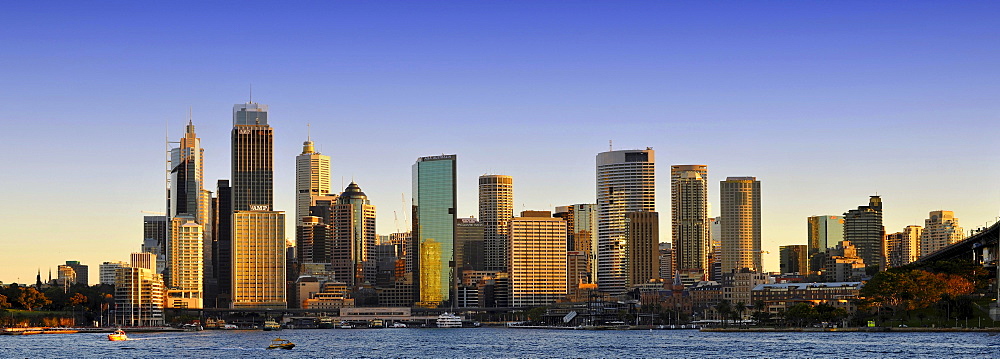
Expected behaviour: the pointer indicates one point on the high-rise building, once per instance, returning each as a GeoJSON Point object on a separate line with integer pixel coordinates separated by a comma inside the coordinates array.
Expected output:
{"type": "Point", "coordinates": [666, 260]}
{"type": "Point", "coordinates": [144, 260]}
{"type": "Point", "coordinates": [903, 247]}
{"type": "Point", "coordinates": [252, 158]}
{"type": "Point", "coordinates": [222, 247]}
{"type": "Point", "coordinates": [940, 230]}
{"type": "Point", "coordinates": [312, 178]}
{"type": "Point", "coordinates": [537, 259]}
{"type": "Point", "coordinates": [469, 247]}
{"type": "Point", "coordinates": [65, 277]}
{"type": "Point", "coordinates": [352, 237]}
{"type": "Point", "coordinates": [625, 183]}
{"type": "Point", "coordinates": [154, 234]}
{"type": "Point", "coordinates": [581, 220]}
{"type": "Point", "coordinates": [434, 214]}
{"type": "Point", "coordinates": [863, 228]}
{"type": "Point", "coordinates": [824, 232]}
{"type": "Point", "coordinates": [642, 249]}
{"type": "Point", "coordinates": [496, 208]}
{"type": "Point", "coordinates": [258, 232]}
{"type": "Point", "coordinates": [794, 259]}
{"type": "Point", "coordinates": [186, 286]}
{"type": "Point", "coordinates": [740, 197]}
{"type": "Point", "coordinates": [258, 262]}
{"type": "Point", "coordinates": [81, 270]}
{"type": "Point", "coordinates": [139, 293]}
{"type": "Point", "coordinates": [689, 216]}
{"type": "Point", "coordinates": [107, 271]}
{"type": "Point", "coordinates": [187, 196]}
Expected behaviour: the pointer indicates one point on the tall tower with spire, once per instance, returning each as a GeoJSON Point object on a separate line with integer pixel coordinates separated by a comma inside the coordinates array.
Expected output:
{"type": "Point", "coordinates": [188, 204]}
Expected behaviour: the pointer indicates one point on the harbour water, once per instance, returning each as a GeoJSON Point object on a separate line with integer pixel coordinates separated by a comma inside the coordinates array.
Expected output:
{"type": "Point", "coordinates": [504, 342]}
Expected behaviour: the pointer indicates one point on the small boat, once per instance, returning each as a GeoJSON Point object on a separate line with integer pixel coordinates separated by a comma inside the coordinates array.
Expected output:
{"type": "Point", "coordinates": [398, 325]}
{"type": "Point", "coordinates": [448, 320]}
{"type": "Point", "coordinates": [270, 324]}
{"type": "Point", "coordinates": [345, 325]}
{"type": "Point", "coordinates": [279, 343]}
{"type": "Point", "coordinates": [376, 323]}
{"type": "Point", "coordinates": [118, 335]}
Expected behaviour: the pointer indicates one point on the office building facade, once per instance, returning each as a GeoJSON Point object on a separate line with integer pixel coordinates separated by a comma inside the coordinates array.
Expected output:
{"type": "Point", "coordinates": [434, 215]}
{"type": "Point", "coordinates": [689, 217]}
{"type": "Point", "coordinates": [625, 183]}
{"type": "Point", "coordinates": [740, 224]}
{"type": "Point", "coordinates": [941, 229]}
{"type": "Point", "coordinates": [496, 208]}
{"type": "Point", "coordinates": [537, 259]}
{"type": "Point", "coordinates": [642, 249]}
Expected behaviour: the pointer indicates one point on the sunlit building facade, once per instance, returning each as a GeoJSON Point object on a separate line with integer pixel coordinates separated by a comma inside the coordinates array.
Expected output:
{"type": "Point", "coordinates": [941, 229]}
{"type": "Point", "coordinates": [689, 217]}
{"type": "Point", "coordinates": [642, 250]}
{"type": "Point", "coordinates": [258, 265]}
{"type": "Point", "coordinates": [740, 224]}
{"type": "Point", "coordinates": [496, 208]}
{"type": "Point", "coordinates": [903, 247]}
{"type": "Point", "coordinates": [434, 215]}
{"type": "Point", "coordinates": [185, 288]}
{"type": "Point", "coordinates": [625, 183]}
{"type": "Point", "coordinates": [537, 259]}
{"type": "Point", "coordinates": [139, 293]}
{"type": "Point", "coordinates": [312, 178]}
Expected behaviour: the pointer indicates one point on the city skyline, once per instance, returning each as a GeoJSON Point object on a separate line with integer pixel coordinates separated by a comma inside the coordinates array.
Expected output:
{"type": "Point", "coordinates": [824, 116]}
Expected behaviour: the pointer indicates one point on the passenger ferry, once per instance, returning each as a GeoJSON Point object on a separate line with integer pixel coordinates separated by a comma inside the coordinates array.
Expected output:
{"type": "Point", "coordinates": [448, 320]}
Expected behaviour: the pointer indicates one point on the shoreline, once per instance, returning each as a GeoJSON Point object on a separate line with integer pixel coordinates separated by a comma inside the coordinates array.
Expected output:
{"type": "Point", "coordinates": [850, 329]}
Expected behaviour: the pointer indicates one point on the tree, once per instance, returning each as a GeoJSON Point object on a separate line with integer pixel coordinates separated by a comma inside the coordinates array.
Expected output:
{"type": "Point", "coordinates": [77, 299]}
{"type": "Point", "coordinates": [725, 309]}
{"type": "Point", "coordinates": [30, 298]}
{"type": "Point", "coordinates": [800, 314]}
{"type": "Point", "coordinates": [4, 304]}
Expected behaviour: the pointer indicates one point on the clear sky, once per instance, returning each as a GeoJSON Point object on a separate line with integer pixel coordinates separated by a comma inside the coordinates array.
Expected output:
{"type": "Point", "coordinates": [824, 102]}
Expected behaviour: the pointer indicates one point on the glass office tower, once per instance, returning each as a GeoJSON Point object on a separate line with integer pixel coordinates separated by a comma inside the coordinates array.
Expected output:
{"type": "Point", "coordinates": [434, 227]}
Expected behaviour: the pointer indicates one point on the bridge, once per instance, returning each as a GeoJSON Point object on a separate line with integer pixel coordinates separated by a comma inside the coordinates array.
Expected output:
{"type": "Point", "coordinates": [980, 248]}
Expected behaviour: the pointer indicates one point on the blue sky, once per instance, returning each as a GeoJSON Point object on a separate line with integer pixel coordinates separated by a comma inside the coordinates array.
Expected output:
{"type": "Point", "coordinates": [825, 102]}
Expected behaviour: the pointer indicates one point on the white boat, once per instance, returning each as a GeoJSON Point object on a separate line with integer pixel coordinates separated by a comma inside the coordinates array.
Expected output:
{"type": "Point", "coordinates": [398, 325]}
{"type": "Point", "coordinates": [448, 320]}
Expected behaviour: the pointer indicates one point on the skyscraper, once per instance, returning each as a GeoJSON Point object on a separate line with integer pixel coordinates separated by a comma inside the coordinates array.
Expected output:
{"type": "Point", "coordinates": [537, 259]}
{"type": "Point", "coordinates": [186, 286]}
{"type": "Point", "coordinates": [740, 197]}
{"type": "Point", "coordinates": [794, 259]}
{"type": "Point", "coordinates": [258, 240]}
{"type": "Point", "coordinates": [469, 249]}
{"type": "Point", "coordinates": [824, 232]}
{"type": "Point", "coordinates": [352, 230]}
{"type": "Point", "coordinates": [252, 159]}
{"type": "Point", "coordinates": [625, 183]}
{"type": "Point", "coordinates": [258, 260]}
{"type": "Point", "coordinates": [312, 178]}
{"type": "Point", "coordinates": [581, 221]}
{"type": "Point", "coordinates": [434, 209]}
{"type": "Point", "coordinates": [496, 208]}
{"type": "Point", "coordinates": [222, 247]}
{"type": "Point", "coordinates": [940, 230]}
{"type": "Point", "coordinates": [642, 250]}
{"type": "Point", "coordinates": [863, 228]}
{"type": "Point", "coordinates": [187, 178]}
{"type": "Point", "coordinates": [903, 247]}
{"type": "Point", "coordinates": [689, 217]}
{"type": "Point", "coordinates": [154, 235]}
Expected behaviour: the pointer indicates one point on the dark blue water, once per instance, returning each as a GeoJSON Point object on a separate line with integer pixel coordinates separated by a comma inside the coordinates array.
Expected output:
{"type": "Point", "coordinates": [502, 342]}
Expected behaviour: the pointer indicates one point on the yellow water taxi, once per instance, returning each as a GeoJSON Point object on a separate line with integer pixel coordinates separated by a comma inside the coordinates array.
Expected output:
{"type": "Point", "coordinates": [118, 335]}
{"type": "Point", "coordinates": [279, 343]}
